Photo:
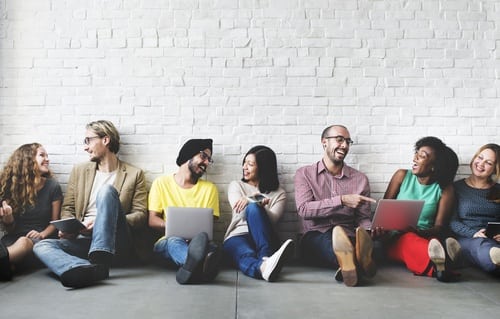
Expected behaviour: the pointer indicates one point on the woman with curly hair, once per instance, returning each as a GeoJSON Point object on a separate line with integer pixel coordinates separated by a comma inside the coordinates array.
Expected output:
{"type": "Point", "coordinates": [29, 199]}
{"type": "Point", "coordinates": [431, 179]}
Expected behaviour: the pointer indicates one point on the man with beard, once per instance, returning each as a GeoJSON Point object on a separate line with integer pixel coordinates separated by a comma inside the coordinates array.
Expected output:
{"type": "Point", "coordinates": [197, 259]}
{"type": "Point", "coordinates": [109, 197]}
{"type": "Point", "coordinates": [333, 203]}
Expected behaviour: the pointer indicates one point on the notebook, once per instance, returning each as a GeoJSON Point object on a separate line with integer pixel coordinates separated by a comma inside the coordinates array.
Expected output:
{"type": "Point", "coordinates": [397, 214]}
{"type": "Point", "coordinates": [187, 222]}
{"type": "Point", "coordinates": [68, 225]}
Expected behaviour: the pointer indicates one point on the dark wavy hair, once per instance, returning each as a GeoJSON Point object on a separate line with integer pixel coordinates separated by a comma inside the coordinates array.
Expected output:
{"type": "Point", "coordinates": [445, 163]}
{"type": "Point", "coordinates": [21, 177]}
{"type": "Point", "coordinates": [267, 168]}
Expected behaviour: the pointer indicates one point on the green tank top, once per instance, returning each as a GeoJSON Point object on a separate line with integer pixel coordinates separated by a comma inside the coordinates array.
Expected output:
{"type": "Point", "coordinates": [412, 189]}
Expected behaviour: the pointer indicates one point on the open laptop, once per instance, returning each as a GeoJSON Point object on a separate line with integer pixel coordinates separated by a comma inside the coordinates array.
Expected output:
{"type": "Point", "coordinates": [397, 214]}
{"type": "Point", "coordinates": [187, 222]}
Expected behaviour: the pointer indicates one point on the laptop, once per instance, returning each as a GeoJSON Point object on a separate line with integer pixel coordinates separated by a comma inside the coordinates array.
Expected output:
{"type": "Point", "coordinates": [397, 214]}
{"type": "Point", "coordinates": [187, 222]}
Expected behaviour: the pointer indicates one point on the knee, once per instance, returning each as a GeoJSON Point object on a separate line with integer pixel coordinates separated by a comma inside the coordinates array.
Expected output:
{"type": "Point", "coordinates": [43, 245]}
{"type": "Point", "coordinates": [107, 191]}
{"type": "Point", "coordinates": [253, 210]}
{"type": "Point", "coordinates": [25, 243]}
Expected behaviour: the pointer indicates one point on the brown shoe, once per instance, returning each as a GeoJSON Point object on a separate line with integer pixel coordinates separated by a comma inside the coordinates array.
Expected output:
{"type": "Point", "coordinates": [364, 250]}
{"type": "Point", "coordinates": [344, 251]}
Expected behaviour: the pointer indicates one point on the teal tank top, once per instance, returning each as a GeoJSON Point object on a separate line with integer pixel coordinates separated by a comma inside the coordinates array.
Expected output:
{"type": "Point", "coordinates": [412, 189]}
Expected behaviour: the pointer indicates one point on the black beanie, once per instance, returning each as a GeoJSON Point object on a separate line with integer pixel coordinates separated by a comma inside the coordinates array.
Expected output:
{"type": "Point", "coordinates": [191, 148]}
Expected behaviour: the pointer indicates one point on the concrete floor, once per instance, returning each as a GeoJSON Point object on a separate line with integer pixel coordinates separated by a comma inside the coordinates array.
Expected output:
{"type": "Point", "coordinates": [301, 292]}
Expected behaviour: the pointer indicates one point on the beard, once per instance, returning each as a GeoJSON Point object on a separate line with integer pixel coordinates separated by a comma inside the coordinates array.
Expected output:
{"type": "Point", "coordinates": [195, 175]}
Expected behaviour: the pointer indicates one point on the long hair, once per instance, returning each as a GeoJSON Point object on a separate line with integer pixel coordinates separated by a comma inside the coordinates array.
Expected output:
{"type": "Point", "coordinates": [106, 128]}
{"type": "Point", "coordinates": [446, 162]}
{"type": "Point", "coordinates": [496, 149]}
{"type": "Point", "coordinates": [21, 177]}
{"type": "Point", "coordinates": [267, 168]}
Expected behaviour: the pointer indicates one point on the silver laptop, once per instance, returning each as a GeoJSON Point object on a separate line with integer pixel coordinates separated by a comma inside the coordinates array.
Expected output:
{"type": "Point", "coordinates": [187, 222]}
{"type": "Point", "coordinates": [397, 214]}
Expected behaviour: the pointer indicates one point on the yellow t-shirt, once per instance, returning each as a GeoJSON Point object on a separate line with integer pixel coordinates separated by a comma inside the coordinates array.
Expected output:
{"type": "Point", "coordinates": [165, 192]}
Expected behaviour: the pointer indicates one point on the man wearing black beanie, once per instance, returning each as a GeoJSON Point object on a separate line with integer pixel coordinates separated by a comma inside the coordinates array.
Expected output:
{"type": "Point", "coordinates": [198, 259]}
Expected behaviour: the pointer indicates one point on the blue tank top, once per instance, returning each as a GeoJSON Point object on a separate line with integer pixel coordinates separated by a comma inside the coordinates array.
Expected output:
{"type": "Point", "coordinates": [412, 189]}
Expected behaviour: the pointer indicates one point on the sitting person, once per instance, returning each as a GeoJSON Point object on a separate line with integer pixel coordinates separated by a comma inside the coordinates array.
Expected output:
{"type": "Point", "coordinates": [29, 199]}
{"type": "Point", "coordinates": [258, 202]}
{"type": "Point", "coordinates": [109, 197]}
{"type": "Point", "coordinates": [333, 202]}
{"type": "Point", "coordinates": [430, 179]}
{"type": "Point", "coordinates": [478, 202]}
{"type": "Point", "coordinates": [197, 260]}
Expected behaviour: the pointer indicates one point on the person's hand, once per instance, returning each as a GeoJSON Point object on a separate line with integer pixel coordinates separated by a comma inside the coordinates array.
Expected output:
{"type": "Point", "coordinates": [355, 200]}
{"type": "Point", "coordinates": [240, 204]}
{"type": "Point", "coordinates": [497, 237]}
{"type": "Point", "coordinates": [6, 213]}
{"type": "Point", "coordinates": [378, 232]}
{"type": "Point", "coordinates": [481, 234]}
{"type": "Point", "coordinates": [265, 201]}
{"type": "Point", "coordinates": [89, 226]}
{"type": "Point", "coordinates": [64, 235]}
{"type": "Point", "coordinates": [33, 234]}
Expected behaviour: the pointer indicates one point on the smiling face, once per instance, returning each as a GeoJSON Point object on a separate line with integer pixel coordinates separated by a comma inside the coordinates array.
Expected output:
{"type": "Point", "coordinates": [335, 151]}
{"type": "Point", "coordinates": [95, 146]}
{"type": "Point", "coordinates": [198, 164]}
{"type": "Point", "coordinates": [423, 161]}
{"type": "Point", "coordinates": [483, 165]}
{"type": "Point", "coordinates": [250, 170]}
{"type": "Point", "coordinates": [42, 160]}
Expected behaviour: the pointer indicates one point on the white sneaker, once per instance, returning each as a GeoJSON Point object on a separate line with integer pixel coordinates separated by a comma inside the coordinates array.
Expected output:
{"type": "Point", "coordinates": [495, 255]}
{"type": "Point", "coordinates": [271, 266]}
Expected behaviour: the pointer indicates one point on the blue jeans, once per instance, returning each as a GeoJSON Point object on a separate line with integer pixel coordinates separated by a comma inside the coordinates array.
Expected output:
{"type": "Point", "coordinates": [247, 251]}
{"type": "Point", "coordinates": [316, 248]}
{"type": "Point", "coordinates": [477, 251]}
{"type": "Point", "coordinates": [110, 234]}
{"type": "Point", "coordinates": [175, 250]}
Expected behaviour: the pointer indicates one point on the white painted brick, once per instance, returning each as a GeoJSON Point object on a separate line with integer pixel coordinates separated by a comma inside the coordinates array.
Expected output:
{"type": "Point", "coordinates": [246, 73]}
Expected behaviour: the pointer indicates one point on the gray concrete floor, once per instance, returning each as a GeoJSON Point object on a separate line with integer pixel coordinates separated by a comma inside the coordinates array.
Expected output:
{"type": "Point", "coordinates": [301, 292]}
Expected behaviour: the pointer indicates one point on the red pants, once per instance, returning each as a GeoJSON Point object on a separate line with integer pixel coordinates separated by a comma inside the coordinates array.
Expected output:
{"type": "Point", "coordinates": [412, 250]}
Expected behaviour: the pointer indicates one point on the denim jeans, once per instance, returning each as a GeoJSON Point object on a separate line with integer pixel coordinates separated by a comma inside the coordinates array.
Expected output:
{"type": "Point", "coordinates": [477, 251]}
{"type": "Point", "coordinates": [175, 250]}
{"type": "Point", "coordinates": [247, 251]}
{"type": "Point", "coordinates": [316, 248]}
{"type": "Point", "coordinates": [110, 234]}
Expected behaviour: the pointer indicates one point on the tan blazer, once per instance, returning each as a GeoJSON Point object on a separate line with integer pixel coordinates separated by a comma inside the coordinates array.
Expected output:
{"type": "Point", "coordinates": [130, 184]}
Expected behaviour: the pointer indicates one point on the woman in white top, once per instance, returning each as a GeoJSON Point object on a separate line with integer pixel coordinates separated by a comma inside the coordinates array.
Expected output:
{"type": "Point", "coordinates": [250, 238]}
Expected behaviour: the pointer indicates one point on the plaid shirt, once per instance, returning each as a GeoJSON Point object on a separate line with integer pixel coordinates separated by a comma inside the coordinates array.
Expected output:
{"type": "Point", "coordinates": [317, 196]}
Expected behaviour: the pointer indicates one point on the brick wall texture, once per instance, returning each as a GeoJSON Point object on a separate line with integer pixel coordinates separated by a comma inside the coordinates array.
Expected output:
{"type": "Point", "coordinates": [247, 72]}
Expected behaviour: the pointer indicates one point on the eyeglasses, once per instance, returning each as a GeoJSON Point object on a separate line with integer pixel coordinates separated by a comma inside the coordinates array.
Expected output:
{"type": "Point", "coordinates": [87, 140]}
{"type": "Point", "coordinates": [340, 139]}
{"type": "Point", "coordinates": [204, 156]}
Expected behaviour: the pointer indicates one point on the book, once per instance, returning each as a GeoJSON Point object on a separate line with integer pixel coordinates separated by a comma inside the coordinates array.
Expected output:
{"type": "Point", "coordinates": [68, 225]}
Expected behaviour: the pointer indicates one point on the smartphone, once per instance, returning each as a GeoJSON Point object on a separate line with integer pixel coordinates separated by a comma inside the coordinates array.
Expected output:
{"type": "Point", "coordinates": [256, 198]}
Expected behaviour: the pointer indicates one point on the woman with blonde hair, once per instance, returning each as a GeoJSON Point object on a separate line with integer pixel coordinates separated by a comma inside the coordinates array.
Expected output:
{"type": "Point", "coordinates": [478, 202]}
{"type": "Point", "coordinates": [29, 199]}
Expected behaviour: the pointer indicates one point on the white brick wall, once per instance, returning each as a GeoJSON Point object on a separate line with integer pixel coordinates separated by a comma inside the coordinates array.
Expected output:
{"type": "Point", "coordinates": [250, 72]}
